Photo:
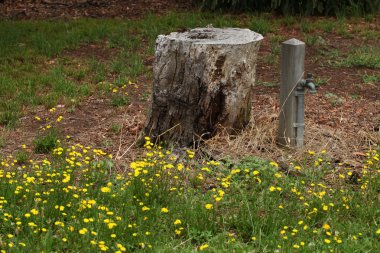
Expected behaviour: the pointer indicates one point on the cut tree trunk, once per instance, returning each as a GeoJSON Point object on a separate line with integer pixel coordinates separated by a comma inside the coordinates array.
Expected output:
{"type": "Point", "coordinates": [202, 78]}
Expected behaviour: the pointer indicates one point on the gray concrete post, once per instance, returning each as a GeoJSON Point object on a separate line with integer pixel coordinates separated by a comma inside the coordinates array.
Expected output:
{"type": "Point", "coordinates": [292, 70]}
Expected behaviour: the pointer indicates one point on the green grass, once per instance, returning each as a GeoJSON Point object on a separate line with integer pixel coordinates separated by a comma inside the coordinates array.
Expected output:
{"type": "Point", "coordinates": [22, 156]}
{"type": "Point", "coordinates": [76, 199]}
{"type": "Point", "coordinates": [363, 57]}
{"type": "Point", "coordinates": [261, 25]}
{"type": "Point", "coordinates": [370, 79]}
{"type": "Point", "coordinates": [334, 99]}
{"type": "Point", "coordinates": [116, 128]}
{"type": "Point", "coordinates": [46, 141]}
{"type": "Point", "coordinates": [322, 80]}
{"type": "Point", "coordinates": [39, 65]}
{"type": "Point", "coordinates": [169, 202]}
{"type": "Point", "coordinates": [3, 140]}
{"type": "Point", "coordinates": [38, 69]}
{"type": "Point", "coordinates": [326, 25]}
{"type": "Point", "coordinates": [119, 100]}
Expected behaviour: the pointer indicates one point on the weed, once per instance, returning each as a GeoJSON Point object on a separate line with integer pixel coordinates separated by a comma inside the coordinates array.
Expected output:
{"type": "Point", "coordinates": [145, 96]}
{"type": "Point", "coordinates": [322, 80]}
{"type": "Point", "coordinates": [306, 27]}
{"type": "Point", "coordinates": [106, 143]}
{"type": "Point", "coordinates": [334, 99]}
{"type": "Point", "coordinates": [9, 118]}
{"type": "Point", "coordinates": [46, 142]}
{"type": "Point", "coordinates": [116, 128]}
{"type": "Point", "coordinates": [370, 79]}
{"type": "Point", "coordinates": [3, 141]}
{"type": "Point", "coordinates": [22, 156]}
{"type": "Point", "coordinates": [271, 59]}
{"type": "Point", "coordinates": [99, 70]}
{"type": "Point", "coordinates": [368, 57]}
{"type": "Point", "coordinates": [355, 96]}
{"type": "Point", "coordinates": [341, 28]}
{"type": "Point", "coordinates": [260, 25]}
{"type": "Point", "coordinates": [289, 21]}
{"type": "Point", "coordinates": [326, 25]}
{"type": "Point", "coordinates": [267, 84]}
{"type": "Point", "coordinates": [276, 39]}
{"type": "Point", "coordinates": [119, 100]}
{"type": "Point", "coordinates": [312, 40]}
{"type": "Point", "coordinates": [369, 34]}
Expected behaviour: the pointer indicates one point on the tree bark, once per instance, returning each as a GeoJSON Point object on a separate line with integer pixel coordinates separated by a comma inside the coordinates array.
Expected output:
{"type": "Point", "coordinates": [202, 78]}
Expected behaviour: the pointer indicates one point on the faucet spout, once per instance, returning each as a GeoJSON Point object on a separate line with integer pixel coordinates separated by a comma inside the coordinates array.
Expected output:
{"type": "Point", "coordinates": [311, 87]}
{"type": "Point", "coordinates": [309, 84]}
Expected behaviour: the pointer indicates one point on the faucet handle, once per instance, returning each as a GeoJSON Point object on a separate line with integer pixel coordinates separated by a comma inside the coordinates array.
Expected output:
{"type": "Point", "coordinates": [309, 83]}
{"type": "Point", "coordinates": [309, 77]}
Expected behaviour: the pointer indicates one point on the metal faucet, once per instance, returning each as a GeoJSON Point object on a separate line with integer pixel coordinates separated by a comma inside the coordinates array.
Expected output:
{"type": "Point", "coordinates": [299, 125]}
{"type": "Point", "coordinates": [308, 83]}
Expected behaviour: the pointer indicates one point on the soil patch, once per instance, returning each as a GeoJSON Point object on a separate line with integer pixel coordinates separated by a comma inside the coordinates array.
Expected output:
{"type": "Point", "coordinates": [42, 9]}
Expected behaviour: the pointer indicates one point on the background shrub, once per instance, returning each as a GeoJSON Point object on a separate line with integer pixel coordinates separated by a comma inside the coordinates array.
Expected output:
{"type": "Point", "coordinates": [292, 7]}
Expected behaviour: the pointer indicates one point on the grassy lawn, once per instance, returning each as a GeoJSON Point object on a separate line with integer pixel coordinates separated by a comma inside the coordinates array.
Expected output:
{"type": "Point", "coordinates": [60, 196]}
{"type": "Point", "coordinates": [169, 202]}
{"type": "Point", "coordinates": [38, 70]}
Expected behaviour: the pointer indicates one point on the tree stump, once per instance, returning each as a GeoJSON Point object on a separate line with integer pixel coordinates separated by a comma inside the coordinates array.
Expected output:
{"type": "Point", "coordinates": [202, 78]}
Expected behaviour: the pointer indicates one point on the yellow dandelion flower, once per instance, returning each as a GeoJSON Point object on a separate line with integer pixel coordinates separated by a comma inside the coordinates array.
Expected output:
{"type": "Point", "coordinates": [274, 164]}
{"type": "Point", "coordinates": [177, 222]}
{"type": "Point", "coordinates": [32, 224]}
{"type": "Point", "coordinates": [278, 175]}
{"type": "Point", "coordinates": [164, 210]}
{"type": "Point", "coordinates": [83, 231]}
{"type": "Point", "coordinates": [208, 206]}
{"type": "Point", "coordinates": [111, 225]}
{"type": "Point", "coordinates": [105, 189]}
{"type": "Point", "coordinates": [203, 247]}
{"type": "Point", "coordinates": [326, 226]}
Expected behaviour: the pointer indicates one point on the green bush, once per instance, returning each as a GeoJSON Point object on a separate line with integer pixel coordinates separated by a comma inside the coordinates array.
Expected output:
{"type": "Point", "coordinates": [292, 7]}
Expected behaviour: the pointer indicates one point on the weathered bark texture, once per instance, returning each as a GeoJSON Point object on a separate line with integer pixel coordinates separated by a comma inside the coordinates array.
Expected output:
{"type": "Point", "coordinates": [202, 78]}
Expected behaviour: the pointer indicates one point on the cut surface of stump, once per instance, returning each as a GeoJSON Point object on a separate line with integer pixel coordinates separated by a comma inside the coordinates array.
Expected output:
{"type": "Point", "coordinates": [202, 78]}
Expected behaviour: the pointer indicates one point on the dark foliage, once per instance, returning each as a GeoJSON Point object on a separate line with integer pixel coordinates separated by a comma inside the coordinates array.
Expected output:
{"type": "Point", "coordinates": [294, 7]}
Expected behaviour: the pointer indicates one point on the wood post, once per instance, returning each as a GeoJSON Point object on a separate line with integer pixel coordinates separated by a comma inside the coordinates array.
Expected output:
{"type": "Point", "coordinates": [292, 70]}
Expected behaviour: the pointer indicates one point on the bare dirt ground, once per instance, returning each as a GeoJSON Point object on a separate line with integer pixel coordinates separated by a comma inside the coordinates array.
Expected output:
{"type": "Point", "coordinates": [346, 127]}
{"type": "Point", "coordinates": [41, 9]}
